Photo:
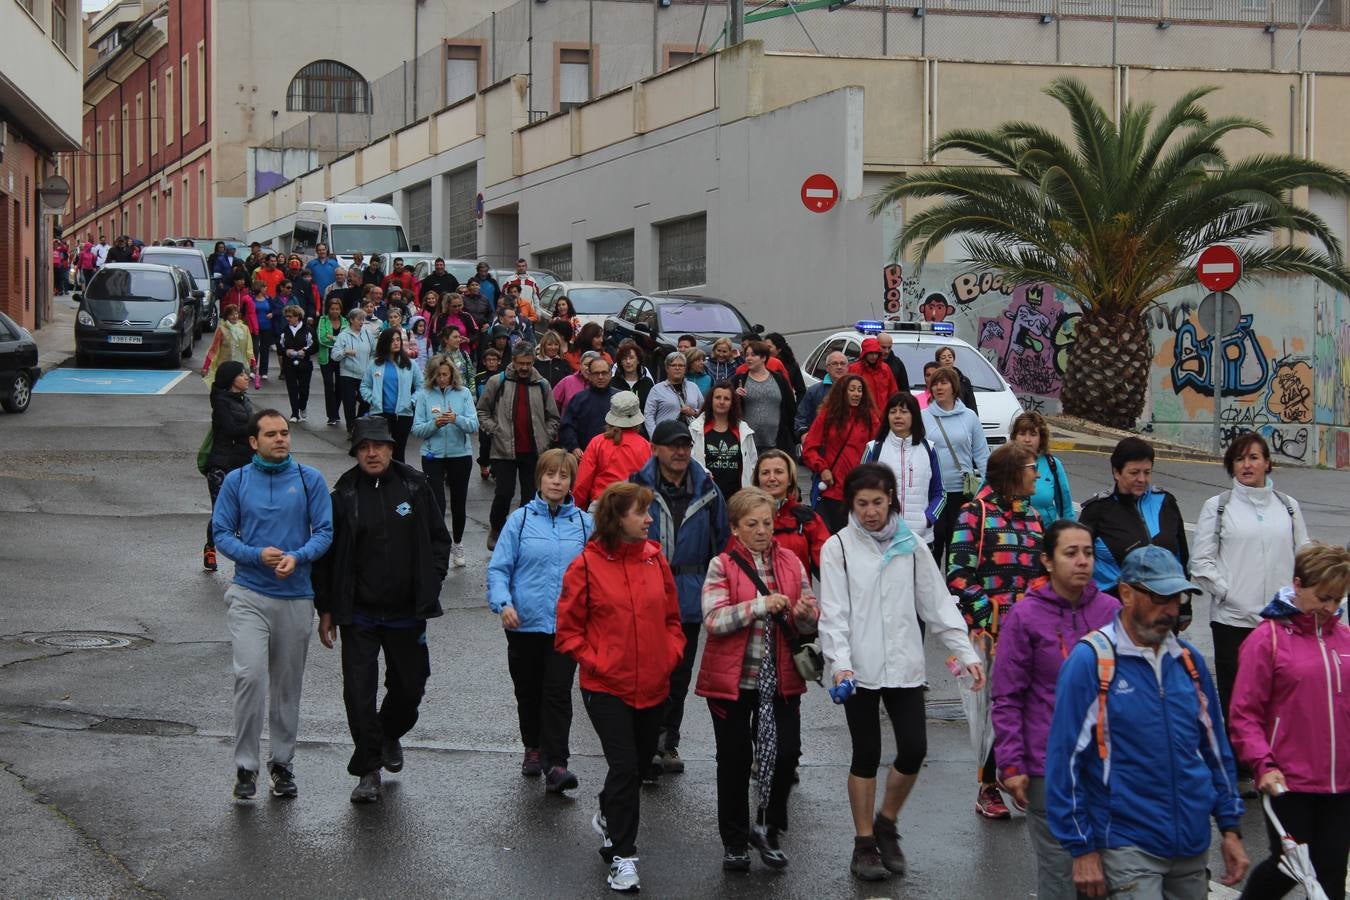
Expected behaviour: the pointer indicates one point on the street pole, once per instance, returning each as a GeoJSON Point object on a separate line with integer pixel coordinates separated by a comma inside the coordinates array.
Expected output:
{"type": "Point", "coordinates": [737, 32]}
{"type": "Point", "coordinates": [1216, 367]}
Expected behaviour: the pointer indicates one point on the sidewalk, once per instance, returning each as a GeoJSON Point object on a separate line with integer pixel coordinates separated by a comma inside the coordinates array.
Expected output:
{"type": "Point", "coordinates": [1071, 434]}
{"type": "Point", "coordinates": [56, 339]}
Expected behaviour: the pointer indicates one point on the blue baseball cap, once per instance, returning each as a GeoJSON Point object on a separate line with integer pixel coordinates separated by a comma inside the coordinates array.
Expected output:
{"type": "Point", "coordinates": [1156, 570]}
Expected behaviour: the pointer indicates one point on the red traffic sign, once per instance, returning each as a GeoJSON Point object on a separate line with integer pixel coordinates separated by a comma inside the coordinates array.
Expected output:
{"type": "Point", "coordinates": [1218, 267]}
{"type": "Point", "coordinates": [820, 193]}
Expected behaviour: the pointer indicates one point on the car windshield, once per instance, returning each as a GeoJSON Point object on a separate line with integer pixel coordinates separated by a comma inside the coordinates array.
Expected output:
{"type": "Point", "coordinates": [192, 263]}
{"type": "Point", "coordinates": [599, 301]}
{"type": "Point", "coordinates": [347, 239]}
{"type": "Point", "coordinates": [972, 365]}
{"type": "Point", "coordinates": [131, 284]}
{"type": "Point", "coordinates": [462, 271]}
{"type": "Point", "coordinates": [701, 318]}
{"type": "Point", "coordinates": [543, 279]}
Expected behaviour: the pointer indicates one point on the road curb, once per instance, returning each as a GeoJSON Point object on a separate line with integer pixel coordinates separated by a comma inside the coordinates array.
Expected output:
{"type": "Point", "coordinates": [1068, 445]}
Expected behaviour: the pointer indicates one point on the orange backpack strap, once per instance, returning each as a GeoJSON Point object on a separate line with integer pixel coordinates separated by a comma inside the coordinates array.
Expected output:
{"type": "Point", "coordinates": [1105, 652]}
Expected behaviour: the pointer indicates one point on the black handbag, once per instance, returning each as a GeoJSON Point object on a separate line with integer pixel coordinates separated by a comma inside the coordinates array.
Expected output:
{"type": "Point", "coordinates": [806, 655]}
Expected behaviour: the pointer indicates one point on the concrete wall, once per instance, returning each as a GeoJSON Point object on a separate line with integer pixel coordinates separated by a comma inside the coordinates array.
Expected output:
{"type": "Point", "coordinates": [40, 84]}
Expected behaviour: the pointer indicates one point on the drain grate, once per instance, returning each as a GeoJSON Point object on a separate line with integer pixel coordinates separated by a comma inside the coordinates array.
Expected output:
{"type": "Point", "coordinates": [945, 710]}
{"type": "Point", "coordinates": [83, 640]}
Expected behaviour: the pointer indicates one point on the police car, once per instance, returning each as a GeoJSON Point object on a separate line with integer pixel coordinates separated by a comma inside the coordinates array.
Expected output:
{"type": "Point", "coordinates": [915, 343]}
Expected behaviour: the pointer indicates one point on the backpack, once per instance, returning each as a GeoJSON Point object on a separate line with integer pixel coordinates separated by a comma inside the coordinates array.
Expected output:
{"type": "Point", "coordinates": [1227, 496]}
{"type": "Point", "coordinates": [1105, 652]}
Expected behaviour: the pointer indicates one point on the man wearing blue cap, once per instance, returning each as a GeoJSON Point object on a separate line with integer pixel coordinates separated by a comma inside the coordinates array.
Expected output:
{"type": "Point", "coordinates": [1138, 759]}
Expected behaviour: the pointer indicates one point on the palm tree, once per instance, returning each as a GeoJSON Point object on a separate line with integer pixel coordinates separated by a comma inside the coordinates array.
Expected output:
{"type": "Point", "coordinates": [1113, 221]}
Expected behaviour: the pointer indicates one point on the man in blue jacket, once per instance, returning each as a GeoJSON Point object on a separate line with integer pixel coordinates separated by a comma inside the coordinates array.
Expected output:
{"type": "Point", "coordinates": [584, 417]}
{"type": "Point", "coordinates": [1138, 759]}
{"type": "Point", "coordinates": [689, 520]}
{"type": "Point", "coordinates": [274, 519]}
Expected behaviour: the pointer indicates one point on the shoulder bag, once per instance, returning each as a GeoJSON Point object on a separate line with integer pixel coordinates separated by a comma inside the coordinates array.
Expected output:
{"type": "Point", "coordinates": [806, 655]}
{"type": "Point", "coordinates": [970, 481]}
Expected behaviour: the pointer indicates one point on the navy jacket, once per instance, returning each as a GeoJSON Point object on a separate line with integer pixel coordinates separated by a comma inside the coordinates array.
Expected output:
{"type": "Point", "coordinates": [702, 535]}
{"type": "Point", "coordinates": [584, 417]}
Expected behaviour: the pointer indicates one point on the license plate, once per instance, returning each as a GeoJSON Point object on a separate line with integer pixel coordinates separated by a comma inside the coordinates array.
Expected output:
{"type": "Point", "coordinates": [124, 338]}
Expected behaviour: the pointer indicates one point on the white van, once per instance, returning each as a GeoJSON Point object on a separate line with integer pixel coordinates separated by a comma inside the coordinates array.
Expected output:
{"type": "Point", "coordinates": [346, 228]}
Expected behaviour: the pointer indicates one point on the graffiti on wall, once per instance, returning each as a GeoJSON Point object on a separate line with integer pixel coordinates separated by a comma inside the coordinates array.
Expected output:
{"type": "Point", "coordinates": [1290, 396]}
{"type": "Point", "coordinates": [1028, 340]}
{"type": "Point", "coordinates": [1245, 367]}
{"type": "Point", "coordinates": [892, 281]}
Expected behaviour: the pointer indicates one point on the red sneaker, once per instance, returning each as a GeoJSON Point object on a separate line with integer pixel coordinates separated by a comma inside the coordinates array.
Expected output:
{"type": "Point", "coordinates": [990, 803]}
{"type": "Point", "coordinates": [209, 558]}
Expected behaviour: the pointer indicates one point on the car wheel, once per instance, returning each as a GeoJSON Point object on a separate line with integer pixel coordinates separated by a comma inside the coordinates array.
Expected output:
{"type": "Point", "coordinates": [21, 394]}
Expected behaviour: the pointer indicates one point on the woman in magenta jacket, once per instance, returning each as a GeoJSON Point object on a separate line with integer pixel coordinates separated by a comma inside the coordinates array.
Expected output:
{"type": "Point", "coordinates": [1035, 637]}
{"type": "Point", "coordinates": [747, 675]}
{"type": "Point", "coordinates": [1291, 718]}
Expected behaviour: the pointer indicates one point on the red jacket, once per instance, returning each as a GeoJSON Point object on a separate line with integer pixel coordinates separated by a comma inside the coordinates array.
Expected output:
{"type": "Point", "coordinates": [719, 675]}
{"type": "Point", "coordinates": [800, 529]}
{"type": "Point", "coordinates": [603, 462]}
{"type": "Point", "coordinates": [838, 451]}
{"type": "Point", "coordinates": [880, 379]}
{"type": "Point", "coordinates": [619, 618]}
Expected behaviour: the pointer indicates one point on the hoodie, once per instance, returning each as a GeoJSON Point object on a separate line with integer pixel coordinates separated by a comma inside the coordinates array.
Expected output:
{"type": "Point", "coordinates": [880, 380]}
{"type": "Point", "coordinates": [533, 551]}
{"type": "Point", "coordinates": [1037, 635]}
{"type": "Point", "coordinates": [1290, 710]}
{"type": "Point", "coordinates": [967, 442]}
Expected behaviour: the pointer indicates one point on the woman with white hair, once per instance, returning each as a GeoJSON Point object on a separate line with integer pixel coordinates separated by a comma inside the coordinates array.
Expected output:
{"type": "Point", "coordinates": [675, 397]}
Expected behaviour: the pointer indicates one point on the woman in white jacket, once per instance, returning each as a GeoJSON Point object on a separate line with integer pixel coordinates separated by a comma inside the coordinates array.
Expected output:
{"type": "Point", "coordinates": [720, 426]}
{"type": "Point", "coordinates": [1243, 557]}
{"type": "Point", "coordinates": [876, 579]}
{"type": "Point", "coordinates": [902, 446]}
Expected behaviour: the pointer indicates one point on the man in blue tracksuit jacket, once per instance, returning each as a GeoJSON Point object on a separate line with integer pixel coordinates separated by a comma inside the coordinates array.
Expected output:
{"type": "Point", "coordinates": [273, 517]}
{"type": "Point", "coordinates": [1130, 790]}
{"type": "Point", "coordinates": [689, 519]}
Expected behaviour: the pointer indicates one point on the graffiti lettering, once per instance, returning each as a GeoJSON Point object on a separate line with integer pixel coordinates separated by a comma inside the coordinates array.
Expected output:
{"type": "Point", "coordinates": [1020, 341]}
{"type": "Point", "coordinates": [972, 285]}
{"type": "Point", "coordinates": [1030, 403]}
{"type": "Point", "coordinates": [892, 277]}
{"type": "Point", "coordinates": [1245, 367]}
{"type": "Point", "coordinates": [1065, 331]}
{"type": "Point", "coordinates": [1291, 391]}
{"type": "Point", "coordinates": [1295, 447]}
{"type": "Point", "coordinates": [1247, 415]}
{"type": "Point", "coordinates": [1160, 318]}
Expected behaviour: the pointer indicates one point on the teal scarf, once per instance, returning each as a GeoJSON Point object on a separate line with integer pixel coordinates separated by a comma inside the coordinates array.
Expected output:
{"type": "Point", "coordinates": [270, 468]}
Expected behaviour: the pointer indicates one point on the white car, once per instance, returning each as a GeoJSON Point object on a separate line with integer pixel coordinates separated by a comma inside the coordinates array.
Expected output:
{"type": "Point", "coordinates": [915, 343]}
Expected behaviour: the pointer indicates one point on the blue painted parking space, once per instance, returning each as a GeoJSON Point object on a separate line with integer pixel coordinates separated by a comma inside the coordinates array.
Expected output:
{"type": "Point", "coordinates": [108, 381]}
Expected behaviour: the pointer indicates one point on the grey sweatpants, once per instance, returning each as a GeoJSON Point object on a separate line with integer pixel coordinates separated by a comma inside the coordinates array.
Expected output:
{"type": "Point", "coordinates": [1132, 874]}
{"type": "Point", "coordinates": [271, 639]}
{"type": "Point", "coordinates": [1054, 865]}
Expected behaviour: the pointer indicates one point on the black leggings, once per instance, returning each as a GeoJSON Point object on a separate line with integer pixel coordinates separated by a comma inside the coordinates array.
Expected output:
{"type": "Point", "coordinates": [215, 477]}
{"type": "Point", "coordinates": [400, 427]}
{"type": "Point", "coordinates": [905, 708]}
{"type": "Point", "coordinates": [944, 528]}
{"type": "Point", "coordinates": [452, 472]}
{"type": "Point", "coordinates": [331, 398]}
{"type": "Point", "coordinates": [1322, 821]}
{"type": "Point", "coordinates": [352, 404]}
{"type": "Point", "coordinates": [1227, 640]}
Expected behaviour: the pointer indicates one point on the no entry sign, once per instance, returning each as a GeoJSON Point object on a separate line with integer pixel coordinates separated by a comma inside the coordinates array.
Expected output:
{"type": "Point", "coordinates": [1218, 267]}
{"type": "Point", "coordinates": [820, 193]}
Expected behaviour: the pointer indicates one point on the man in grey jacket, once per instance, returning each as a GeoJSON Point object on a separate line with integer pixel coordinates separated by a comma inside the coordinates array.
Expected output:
{"type": "Point", "coordinates": [517, 411]}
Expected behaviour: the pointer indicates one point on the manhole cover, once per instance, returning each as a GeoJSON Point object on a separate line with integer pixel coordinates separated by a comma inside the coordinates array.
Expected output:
{"type": "Point", "coordinates": [82, 640]}
{"type": "Point", "coordinates": [945, 710]}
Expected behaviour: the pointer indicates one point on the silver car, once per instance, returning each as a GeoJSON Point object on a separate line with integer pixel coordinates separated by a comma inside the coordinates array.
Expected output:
{"type": "Point", "coordinates": [191, 260]}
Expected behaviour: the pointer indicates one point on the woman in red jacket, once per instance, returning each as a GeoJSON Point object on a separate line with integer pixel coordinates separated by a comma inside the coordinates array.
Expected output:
{"type": "Point", "coordinates": [619, 618]}
{"type": "Point", "coordinates": [835, 444]}
{"type": "Point", "coordinates": [796, 526]}
{"type": "Point", "coordinates": [756, 596]}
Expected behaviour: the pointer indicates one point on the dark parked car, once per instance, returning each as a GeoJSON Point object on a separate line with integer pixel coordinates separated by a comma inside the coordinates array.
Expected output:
{"type": "Point", "coordinates": [18, 365]}
{"type": "Point", "coordinates": [656, 323]}
{"type": "Point", "coordinates": [137, 310]}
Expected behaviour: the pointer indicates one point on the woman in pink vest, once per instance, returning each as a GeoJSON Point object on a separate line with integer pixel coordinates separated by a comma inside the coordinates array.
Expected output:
{"type": "Point", "coordinates": [756, 597]}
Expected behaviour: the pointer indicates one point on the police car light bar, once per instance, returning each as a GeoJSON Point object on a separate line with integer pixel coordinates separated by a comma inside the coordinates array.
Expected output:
{"type": "Point", "coordinates": [876, 326]}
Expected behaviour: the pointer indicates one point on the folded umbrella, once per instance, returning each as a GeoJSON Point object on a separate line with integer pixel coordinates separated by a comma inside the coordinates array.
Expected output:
{"type": "Point", "coordinates": [1294, 858]}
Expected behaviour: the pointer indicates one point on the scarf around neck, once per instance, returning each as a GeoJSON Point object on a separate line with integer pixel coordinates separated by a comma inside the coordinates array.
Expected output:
{"type": "Point", "coordinates": [270, 468]}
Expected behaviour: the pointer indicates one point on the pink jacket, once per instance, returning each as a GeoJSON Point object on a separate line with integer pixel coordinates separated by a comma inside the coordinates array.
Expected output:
{"type": "Point", "coordinates": [1291, 701]}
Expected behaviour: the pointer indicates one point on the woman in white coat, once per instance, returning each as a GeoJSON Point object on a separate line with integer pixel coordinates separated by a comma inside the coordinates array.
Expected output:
{"type": "Point", "coordinates": [876, 580]}
{"type": "Point", "coordinates": [1243, 552]}
{"type": "Point", "coordinates": [724, 443]}
{"type": "Point", "coordinates": [902, 446]}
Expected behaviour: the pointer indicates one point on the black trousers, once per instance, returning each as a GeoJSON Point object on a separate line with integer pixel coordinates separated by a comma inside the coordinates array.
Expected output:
{"type": "Point", "coordinates": [734, 728]}
{"type": "Point", "coordinates": [400, 427]}
{"type": "Point", "coordinates": [262, 350]}
{"type": "Point", "coordinates": [331, 396]}
{"type": "Point", "coordinates": [1227, 640]}
{"type": "Point", "coordinates": [628, 739]}
{"type": "Point", "coordinates": [1322, 821]}
{"type": "Point", "coordinates": [297, 383]}
{"type": "Point", "coordinates": [452, 472]}
{"type": "Point", "coordinates": [407, 666]}
{"type": "Point", "coordinates": [352, 404]}
{"type": "Point", "coordinates": [214, 479]}
{"type": "Point", "coordinates": [543, 682]}
{"type": "Point", "coordinates": [945, 527]}
{"type": "Point", "coordinates": [507, 474]}
{"type": "Point", "coordinates": [484, 449]}
{"type": "Point", "coordinates": [672, 713]}
{"type": "Point", "coordinates": [904, 707]}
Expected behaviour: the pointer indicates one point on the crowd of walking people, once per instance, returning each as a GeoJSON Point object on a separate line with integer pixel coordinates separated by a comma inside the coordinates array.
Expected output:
{"type": "Point", "coordinates": [643, 507]}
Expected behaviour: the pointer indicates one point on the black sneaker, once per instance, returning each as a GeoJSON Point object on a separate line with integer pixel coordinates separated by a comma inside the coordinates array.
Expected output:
{"type": "Point", "coordinates": [888, 844]}
{"type": "Point", "coordinates": [531, 766]}
{"type": "Point", "coordinates": [367, 789]}
{"type": "Point", "coordinates": [866, 863]}
{"type": "Point", "coordinates": [392, 755]}
{"type": "Point", "coordinates": [559, 779]}
{"type": "Point", "coordinates": [652, 774]}
{"type": "Point", "coordinates": [735, 860]}
{"type": "Point", "coordinates": [765, 840]}
{"type": "Point", "coordinates": [671, 764]}
{"type": "Point", "coordinates": [283, 782]}
{"type": "Point", "coordinates": [245, 784]}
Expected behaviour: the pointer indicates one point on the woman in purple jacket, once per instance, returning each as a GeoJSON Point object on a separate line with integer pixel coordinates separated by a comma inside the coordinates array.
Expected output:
{"type": "Point", "coordinates": [1036, 636]}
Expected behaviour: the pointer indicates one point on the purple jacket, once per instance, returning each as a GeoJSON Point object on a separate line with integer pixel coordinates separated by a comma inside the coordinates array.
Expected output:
{"type": "Point", "coordinates": [1034, 639]}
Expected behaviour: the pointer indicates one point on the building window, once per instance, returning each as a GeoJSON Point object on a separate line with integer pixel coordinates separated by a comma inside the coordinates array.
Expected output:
{"type": "Point", "coordinates": [328, 86]}
{"type": "Point", "coordinates": [201, 82]}
{"type": "Point", "coordinates": [28, 5]}
{"type": "Point", "coordinates": [201, 202]}
{"type": "Point", "coordinates": [418, 223]}
{"type": "Point", "coordinates": [185, 92]}
{"type": "Point", "coordinates": [614, 258]}
{"type": "Point", "coordinates": [140, 130]}
{"type": "Point", "coordinates": [98, 157]}
{"type": "Point", "coordinates": [88, 182]}
{"type": "Point", "coordinates": [140, 218]}
{"type": "Point", "coordinates": [125, 150]}
{"type": "Point", "coordinates": [461, 71]}
{"type": "Point", "coordinates": [154, 116]}
{"type": "Point", "coordinates": [59, 35]}
{"type": "Point", "coordinates": [168, 211]}
{"type": "Point", "coordinates": [574, 78]}
{"type": "Point", "coordinates": [168, 106]}
{"type": "Point", "coordinates": [185, 221]}
{"type": "Point", "coordinates": [154, 218]}
{"type": "Point", "coordinates": [679, 57]}
{"type": "Point", "coordinates": [461, 233]}
{"type": "Point", "coordinates": [558, 261]}
{"type": "Point", "coordinates": [682, 254]}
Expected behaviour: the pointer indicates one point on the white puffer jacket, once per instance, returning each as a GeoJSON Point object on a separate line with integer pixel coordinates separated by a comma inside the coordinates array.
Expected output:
{"type": "Point", "coordinates": [1255, 556]}
{"type": "Point", "coordinates": [917, 478]}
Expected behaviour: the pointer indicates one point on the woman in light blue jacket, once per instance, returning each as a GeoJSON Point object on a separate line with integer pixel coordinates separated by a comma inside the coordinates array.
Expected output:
{"type": "Point", "coordinates": [352, 349]}
{"type": "Point", "coordinates": [388, 387]}
{"type": "Point", "coordinates": [958, 438]}
{"type": "Point", "coordinates": [524, 580]}
{"type": "Point", "coordinates": [444, 416]}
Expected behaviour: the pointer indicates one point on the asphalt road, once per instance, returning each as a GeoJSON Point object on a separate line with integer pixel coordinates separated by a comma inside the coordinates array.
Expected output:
{"type": "Point", "coordinates": [117, 765]}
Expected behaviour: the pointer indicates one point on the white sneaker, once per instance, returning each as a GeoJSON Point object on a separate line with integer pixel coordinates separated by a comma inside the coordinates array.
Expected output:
{"type": "Point", "coordinates": [458, 556]}
{"type": "Point", "coordinates": [601, 827]}
{"type": "Point", "coordinates": [623, 874]}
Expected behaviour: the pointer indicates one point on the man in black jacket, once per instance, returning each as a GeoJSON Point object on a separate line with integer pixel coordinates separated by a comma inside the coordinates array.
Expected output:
{"type": "Point", "coordinates": [378, 584]}
{"type": "Point", "coordinates": [440, 281]}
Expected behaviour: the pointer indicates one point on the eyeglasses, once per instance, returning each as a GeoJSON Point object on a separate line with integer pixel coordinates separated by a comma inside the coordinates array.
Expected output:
{"type": "Point", "coordinates": [1029, 466]}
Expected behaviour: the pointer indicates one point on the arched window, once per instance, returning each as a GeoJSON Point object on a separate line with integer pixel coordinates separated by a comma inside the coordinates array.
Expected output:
{"type": "Point", "coordinates": [328, 86]}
